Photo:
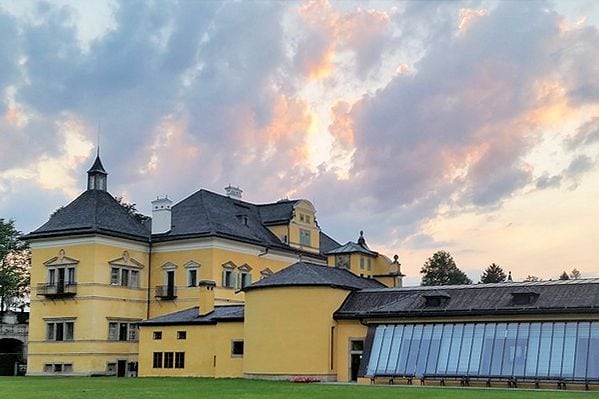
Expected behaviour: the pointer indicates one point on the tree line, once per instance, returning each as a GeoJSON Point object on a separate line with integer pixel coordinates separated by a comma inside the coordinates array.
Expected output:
{"type": "Point", "coordinates": [441, 269]}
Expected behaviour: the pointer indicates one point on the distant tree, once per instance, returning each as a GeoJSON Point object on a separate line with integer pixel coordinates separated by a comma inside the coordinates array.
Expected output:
{"type": "Point", "coordinates": [15, 261]}
{"type": "Point", "coordinates": [575, 274]}
{"type": "Point", "coordinates": [564, 276]}
{"type": "Point", "coordinates": [532, 278]}
{"type": "Point", "coordinates": [493, 274]}
{"type": "Point", "coordinates": [440, 269]}
{"type": "Point", "coordinates": [130, 208]}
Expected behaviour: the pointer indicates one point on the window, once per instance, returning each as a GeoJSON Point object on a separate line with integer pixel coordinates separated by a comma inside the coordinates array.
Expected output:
{"type": "Point", "coordinates": [527, 349]}
{"type": "Point", "coordinates": [58, 368]}
{"type": "Point", "coordinates": [342, 261]}
{"type": "Point", "coordinates": [179, 360]}
{"type": "Point", "coordinates": [60, 330]}
{"type": "Point", "coordinates": [229, 276]}
{"type": "Point", "coordinates": [181, 334]}
{"type": "Point", "coordinates": [111, 368]}
{"type": "Point", "coordinates": [122, 331]}
{"type": "Point", "coordinates": [61, 275]}
{"type": "Point", "coordinates": [237, 348]}
{"type": "Point", "coordinates": [168, 360]}
{"type": "Point", "coordinates": [192, 277]}
{"type": "Point", "coordinates": [361, 262]}
{"type": "Point", "coordinates": [305, 237]}
{"type": "Point", "coordinates": [124, 277]}
{"type": "Point", "coordinates": [245, 278]}
{"type": "Point", "coordinates": [157, 335]}
{"type": "Point", "coordinates": [307, 218]}
{"type": "Point", "coordinates": [157, 360]}
{"type": "Point", "coordinates": [369, 263]}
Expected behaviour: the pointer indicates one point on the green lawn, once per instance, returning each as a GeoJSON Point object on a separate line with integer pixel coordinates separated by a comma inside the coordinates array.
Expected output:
{"type": "Point", "coordinates": [173, 388]}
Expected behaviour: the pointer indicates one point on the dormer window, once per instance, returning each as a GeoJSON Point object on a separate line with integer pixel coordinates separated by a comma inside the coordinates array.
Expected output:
{"type": "Point", "coordinates": [243, 219]}
{"type": "Point", "coordinates": [523, 298]}
{"type": "Point", "coordinates": [436, 300]}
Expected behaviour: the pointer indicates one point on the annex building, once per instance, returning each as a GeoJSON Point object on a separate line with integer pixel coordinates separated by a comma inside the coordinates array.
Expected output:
{"type": "Point", "coordinates": [219, 287]}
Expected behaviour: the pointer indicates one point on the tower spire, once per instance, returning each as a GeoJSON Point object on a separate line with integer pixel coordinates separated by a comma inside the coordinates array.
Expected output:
{"type": "Point", "coordinates": [97, 175]}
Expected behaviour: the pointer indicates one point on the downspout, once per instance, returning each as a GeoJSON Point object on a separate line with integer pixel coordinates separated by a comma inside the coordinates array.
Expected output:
{"type": "Point", "coordinates": [149, 278]}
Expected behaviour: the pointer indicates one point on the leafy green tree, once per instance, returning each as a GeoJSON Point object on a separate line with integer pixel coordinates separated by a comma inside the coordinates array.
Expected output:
{"type": "Point", "coordinates": [15, 261]}
{"type": "Point", "coordinates": [440, 269]}
{"type": "Point", "coordinates": [564, 276]}
{"type": "Point", "coordinates": [493, 274]}
{"type": "Point", "coordinates": [130, 208]}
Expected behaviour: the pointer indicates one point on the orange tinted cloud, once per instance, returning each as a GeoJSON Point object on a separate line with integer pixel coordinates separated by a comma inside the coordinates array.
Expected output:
{"type": "Point", "coordinates": [333, 31]}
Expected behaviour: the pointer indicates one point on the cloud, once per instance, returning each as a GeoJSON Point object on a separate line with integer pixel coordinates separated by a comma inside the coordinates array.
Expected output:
{"type": "Point", "coordinates": [426, 241]}
{"type": "Point", "coordinates": [546, 181]}
{"type": "Point", "coordinates": [586, 134]}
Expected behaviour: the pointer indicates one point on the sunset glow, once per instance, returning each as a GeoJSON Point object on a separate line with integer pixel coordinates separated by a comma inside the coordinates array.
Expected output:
{"type": "Point", "coordinates": [429, 125]}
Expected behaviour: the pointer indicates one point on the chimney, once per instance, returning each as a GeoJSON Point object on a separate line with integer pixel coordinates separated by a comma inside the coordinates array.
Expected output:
{"type": "Point", "coordinates": [206, 296]}
{"type": "Point", "coordinates": [233, 192]}
{"type": "Point", "coordinates": [161, 215]}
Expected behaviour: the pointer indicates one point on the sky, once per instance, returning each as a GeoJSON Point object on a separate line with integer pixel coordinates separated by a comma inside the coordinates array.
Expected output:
{"type": "Point", "coordinates": [470, 127]}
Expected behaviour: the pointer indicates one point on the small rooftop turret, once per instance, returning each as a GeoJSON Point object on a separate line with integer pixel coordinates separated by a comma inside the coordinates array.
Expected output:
{"type": "Point", "coordinates": [97, 175]}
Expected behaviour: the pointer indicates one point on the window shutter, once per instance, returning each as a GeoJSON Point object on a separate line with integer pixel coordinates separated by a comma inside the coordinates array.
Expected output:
{"type": "Point", "coordinates": [234, 280]}
{"type": "Point", "coordinates": [248, 279]}
{"type": "Point", "coordinates": [224, 278]}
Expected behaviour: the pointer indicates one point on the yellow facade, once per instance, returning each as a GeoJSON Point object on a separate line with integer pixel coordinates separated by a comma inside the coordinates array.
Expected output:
{"type": "Point", "coordinates": [290, 331]}
{"type": "Point", "coordinates": [207, 350]}
{"type": "Point", "coordinates": [96, 303]}
{"type": "Point", "coordinates": [97, 274]}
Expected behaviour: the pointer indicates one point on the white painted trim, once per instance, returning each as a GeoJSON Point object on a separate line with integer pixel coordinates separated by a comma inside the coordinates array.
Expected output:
{"type": "Point", "coordinates": [92, 239]}
{"type": "Point", "coordinates": [229, 245]}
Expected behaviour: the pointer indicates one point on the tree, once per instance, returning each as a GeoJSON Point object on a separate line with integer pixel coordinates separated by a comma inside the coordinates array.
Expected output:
{"type": "Point", "coordinates": [564, 276]}
{"type": "Point", "coordinates": [440, 269]}
{"type": "Point", "coordinates": [15, 261]}
{"type": "Point", "coordinates": [131, 210]}
{"type": "Point", "coordinates": [493, 274]}
{"type": "Point", "coordinates": [575, 274]}
{"type": "Point", "coordinates": [532, 278]}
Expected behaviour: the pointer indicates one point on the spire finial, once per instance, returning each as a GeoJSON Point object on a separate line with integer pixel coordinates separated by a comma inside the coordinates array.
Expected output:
{"type": "Point", "coordinates": [98, 139]}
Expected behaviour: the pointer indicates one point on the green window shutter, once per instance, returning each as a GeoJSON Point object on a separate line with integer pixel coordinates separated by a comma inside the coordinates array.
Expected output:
{"type": "Point", "coordinates": [234, 280]}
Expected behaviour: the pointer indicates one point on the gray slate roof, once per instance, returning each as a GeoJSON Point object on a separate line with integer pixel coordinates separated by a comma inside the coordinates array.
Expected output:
{"type": "Point", "coordinates": [280, 212]}
{"type": "Point", "coordinates": [97, 166]}
{"type": "Point", "coordinates": [350, 248]}
{"type": "Point", "coordinates": [205, 213]}
{"type": "Point", "coordinates": [191, 316]}
{"type": "Point", "coordinates": [327, 243]}
{"type": "Point", "coordinates": [94, 211]}
{"type": "Point", "coordinates": [310, 274]}
{"type": "Point", "coordinates": [568, 296]}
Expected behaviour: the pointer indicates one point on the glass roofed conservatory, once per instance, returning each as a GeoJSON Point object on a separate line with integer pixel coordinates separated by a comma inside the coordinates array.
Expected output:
{"type": "Point", "coordinates": [568, 350]}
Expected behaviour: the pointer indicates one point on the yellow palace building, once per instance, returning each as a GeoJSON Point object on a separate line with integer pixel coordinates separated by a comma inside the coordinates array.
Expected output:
{"type": "Point", "coordinates": [216, 286]}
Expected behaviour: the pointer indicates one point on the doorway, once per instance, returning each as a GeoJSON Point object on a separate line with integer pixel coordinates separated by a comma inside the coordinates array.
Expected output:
{"type": "Point", "coordinates": [356, 348]}
{"type": "Point", "coordinates": [121, 368]}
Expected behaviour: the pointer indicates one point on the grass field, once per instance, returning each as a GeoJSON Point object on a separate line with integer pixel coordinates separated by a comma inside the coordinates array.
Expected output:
{"type": "Point", "coordinates": [175, 388]}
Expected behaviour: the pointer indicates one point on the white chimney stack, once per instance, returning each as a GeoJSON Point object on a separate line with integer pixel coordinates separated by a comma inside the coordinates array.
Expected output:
{"type": "Point", "coordinates": [233, 192]}
{"type": "Point", "coordinates": [161, 215]}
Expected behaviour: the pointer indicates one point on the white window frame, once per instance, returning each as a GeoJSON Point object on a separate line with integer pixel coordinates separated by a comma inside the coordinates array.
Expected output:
{"type": "Point", "coordinates": [114, 329]}
{"type": "Point", "coordinates": [52, 329]}
{"type": "Point", "coordinates": [192, 267]}
{"type": "Point", "coordinates": [125, 272]}
{"type": "Point", "coordinates": [245, 276]}
{"type": "Point", "coordinates": [229, 275]}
